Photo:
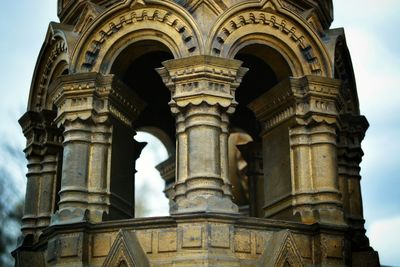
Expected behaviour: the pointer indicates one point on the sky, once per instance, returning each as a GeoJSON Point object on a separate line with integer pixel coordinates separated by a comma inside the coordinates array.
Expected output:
{"type": "Point", "coordinates": [372, 36]}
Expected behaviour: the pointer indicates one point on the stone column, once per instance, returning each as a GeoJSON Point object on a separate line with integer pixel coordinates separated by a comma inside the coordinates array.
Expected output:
{"type": "Point", "coordinates": [300, 118]}
{"type": "Point", "coordinates": [33, 130]}
{"type": "Point", "coordinates": [96, 113]}
{"type": "Point", "coordinates": [203, 89]}
{"type": "Point", "coordinates": [253, 155]}
{"type": "Point", "coordinates": [352, 132]}
{"type": "Point", "coordinates": [52, 157]}
{"type": "Point", "coordinates": [42, 151]}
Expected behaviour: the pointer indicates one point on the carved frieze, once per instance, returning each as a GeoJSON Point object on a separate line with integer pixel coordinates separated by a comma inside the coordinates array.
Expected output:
{"type": "Point", "coordinates": [202, 79]}
{"type": "Point", "coordinates": [272, 24]}
{"type": "Point", "coordinates": [309, 99]}
{"type": "Point", "coordinates": [142, 17]}
{"type": "Point", "coordinates": [94, 96]}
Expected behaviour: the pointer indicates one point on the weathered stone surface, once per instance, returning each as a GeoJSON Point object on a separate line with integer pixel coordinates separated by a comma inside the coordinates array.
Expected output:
{"type": "Point", "coordinates": [284, 192]}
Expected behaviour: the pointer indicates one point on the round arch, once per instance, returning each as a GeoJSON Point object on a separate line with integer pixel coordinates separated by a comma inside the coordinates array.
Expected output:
{"type": "Point", "coordinates": [160, 135]}
{"type": "Point", "coordinates": [343, 70]}
{"type": "Point", "coordinates": [135, 66]}
{"type": "Point", "coordinates": [156, 20]}
{"type": "Point", "coordinates": [276, 26]}
{"type": "Point", "coordinates": [53, 61]}
{"type": "Point", "coordinates": [281, 59]}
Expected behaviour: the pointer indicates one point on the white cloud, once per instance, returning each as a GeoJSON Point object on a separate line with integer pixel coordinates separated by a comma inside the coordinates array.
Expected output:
{"type": "Point", "coordinates": [148, 182]}
{"type": "Point", "coordinates": [385, 235]}
{"type": "Point", "coordinates": [372, 37]}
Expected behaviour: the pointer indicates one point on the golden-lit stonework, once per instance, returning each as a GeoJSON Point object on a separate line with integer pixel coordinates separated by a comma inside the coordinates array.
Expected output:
{"type": "Point", "coordinates": [257, 104]}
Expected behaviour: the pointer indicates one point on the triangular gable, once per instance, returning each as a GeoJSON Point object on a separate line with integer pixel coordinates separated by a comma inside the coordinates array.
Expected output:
{"type": "Point", "coordinates": [281, 251]}
{"type": "Point", "coordinates": [216, 6]}
{"type": "Point", "coordinates": [126, 251]}
{"type": "Point", "coordinates": [89, 14]}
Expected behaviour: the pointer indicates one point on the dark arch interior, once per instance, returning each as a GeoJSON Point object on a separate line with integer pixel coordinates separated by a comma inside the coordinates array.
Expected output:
{"type": "Point", "coordinates": [266, 69]}
{"type": "Point", "coordinates": [136, 68]}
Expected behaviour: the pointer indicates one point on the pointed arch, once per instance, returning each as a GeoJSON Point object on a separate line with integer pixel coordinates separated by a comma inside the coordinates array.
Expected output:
{"type": "Point", "coordinates": [268, 22]}
{"type": "Point", "coordinates": [133, 21]}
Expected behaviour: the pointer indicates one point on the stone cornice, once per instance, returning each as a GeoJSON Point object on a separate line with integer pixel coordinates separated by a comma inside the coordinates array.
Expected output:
{"type": "Point", "coordinates": [43, 136]}
{"type": "Point", "coordinates": [94, 96]}
{"type": "Point", "coordinates": [167, 169]}
{"type": "Point", "coordinates": [200, 79]}
{"type": "Point", "coordinates": [354, 124]}
{"type": "Point", "coordinates": [351, 133]}
{"type": "Point", "coordinates": [307, 99]}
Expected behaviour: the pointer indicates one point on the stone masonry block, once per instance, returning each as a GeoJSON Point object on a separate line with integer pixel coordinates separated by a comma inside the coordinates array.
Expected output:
{"type": "Point", "coordinates": [220, 237]}
{"type": "Point", "coordinates": [243, 241]}
{"type": "Point", "coordinates": [101, 245]}
{"type": "Point", "coordinates": [167, 241]}
{"type": "Point", "coordinates": [192, 237]}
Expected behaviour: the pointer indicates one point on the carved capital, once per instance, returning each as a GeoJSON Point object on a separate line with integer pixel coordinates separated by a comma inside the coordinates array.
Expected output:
{"type": "Point", "coordinates": [42, 135]}
{"type": "Point", "coordinates": [351, 133]}
{"type": "Point", "coordinates": [202, 79]}
{"type": "Point", "coordinates": [306, 100]}
{"type": "Point", "coordinates": [33, 131]}
{"type": "Point", "coordinates": [96, 97]}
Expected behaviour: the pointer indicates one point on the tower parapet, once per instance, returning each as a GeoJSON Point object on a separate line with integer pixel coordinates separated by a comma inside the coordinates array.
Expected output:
{"type": "Point", "coordinates": [258, 105]}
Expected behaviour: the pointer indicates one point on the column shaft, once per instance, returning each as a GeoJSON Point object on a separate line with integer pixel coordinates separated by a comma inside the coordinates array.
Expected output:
{"type": "Point", "coordinates": [47, 186]}
{"type": "Point", "coordinates": [300, 119]}
{"type": "Point", "coordinates": [29, 219]}
{"type": "Point", "coordinates": [99, 150]}
{"type": "Point", "coordinates": [202, 90]}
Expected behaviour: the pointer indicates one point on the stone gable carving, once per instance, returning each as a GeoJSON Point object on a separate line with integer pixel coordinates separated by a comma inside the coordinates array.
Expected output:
{"type": "Point", "coordinates": [282, 251]}
{"type": "Point", "coordinates": [126, 251]}
{"type": "Point", "coordinates": [89, 14]}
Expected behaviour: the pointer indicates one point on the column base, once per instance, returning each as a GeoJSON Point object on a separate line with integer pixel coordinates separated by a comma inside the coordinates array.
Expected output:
{"type": "Point", "coordinates": [222, 258]}
{"type": "Point", "coordinates": [70, 215]}
{"type": "Point", "coordinates": [204, 204]}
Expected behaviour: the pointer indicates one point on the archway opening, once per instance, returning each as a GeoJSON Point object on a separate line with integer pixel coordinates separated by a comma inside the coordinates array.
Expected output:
{"type": "Point", "coordinates": [150, 199]}
{"type": "Point", "coordinates": [267, 67]}
{"type": "Point", "coordinates": [135, 66]}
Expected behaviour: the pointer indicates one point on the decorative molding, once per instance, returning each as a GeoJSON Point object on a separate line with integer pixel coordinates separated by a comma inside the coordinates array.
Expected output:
{"type": "Point", "coordinates": [307, 99]}
{"type": "Point", "coordinates": [43, 136]}
{"type": "Point", "coordinates": [202, 79]}
{"type": "Point", "coordinates": [126, 249]}
{"type": "Point", "coordinates": [144, 16]}
{"type": "Point", "coordinates": [344, 71]}
{"type": "Point", "coordinates": [88, 95]}
{"type": "Point", "coordinates": [57, 49]}
{"type": "Point", "coordinates": [274, 24]}
{"type": "Point", "coordinates": [281, 249]}
{"type": "Point", "coordinates": [217, 7]}
{"type": "Point", "coordinates": [90, 12]}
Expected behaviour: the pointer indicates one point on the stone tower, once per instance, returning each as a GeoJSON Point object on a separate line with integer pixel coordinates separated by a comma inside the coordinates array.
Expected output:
{"type": "Point", "coordinates": [257, 104]}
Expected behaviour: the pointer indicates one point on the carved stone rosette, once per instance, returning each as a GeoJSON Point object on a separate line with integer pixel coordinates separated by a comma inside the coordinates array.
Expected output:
{"type": "Point", "coordinates": [203, 90]}
{"type": "Point", "coordinates": [43, 151]}
{"type": "Point", "coordinates": [300, 116]}
{"type": "Point", "coordinates": [97, 114]}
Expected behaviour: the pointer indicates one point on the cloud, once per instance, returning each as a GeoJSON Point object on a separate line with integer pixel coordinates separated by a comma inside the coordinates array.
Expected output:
{"type": "Point", "coordinates": [383, 235]}
{"type": "Point", "coordinates": [149, 186]}
{"type": "Point", "coordinates": [373, 40]}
